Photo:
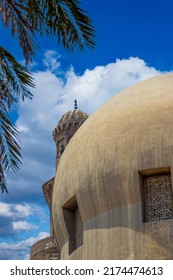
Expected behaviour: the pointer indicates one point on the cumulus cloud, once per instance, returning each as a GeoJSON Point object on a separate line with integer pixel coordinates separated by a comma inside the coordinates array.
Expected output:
{"type": "Point", "coordinates": [16, 211]}
{"type": "Point", "coordinates": [17, 218]}
{"type": "Point", "coordinates": [22, 245]}
{"type": "Point", "coordinates": [23, 225]}
{"type": "Point", "coordinates": [19, 250]}
{"type": "Point", "coordinates": [51, 60]}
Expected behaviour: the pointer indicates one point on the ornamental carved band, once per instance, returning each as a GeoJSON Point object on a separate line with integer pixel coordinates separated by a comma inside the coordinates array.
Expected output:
{"type": "Point", "coordinates": [158, 198]}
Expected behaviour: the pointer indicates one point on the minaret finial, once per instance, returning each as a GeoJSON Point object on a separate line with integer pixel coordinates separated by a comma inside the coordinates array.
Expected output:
{"type": "Point", "coordinates": [75, 104]}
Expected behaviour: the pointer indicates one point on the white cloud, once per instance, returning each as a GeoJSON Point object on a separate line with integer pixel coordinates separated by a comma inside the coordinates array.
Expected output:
{"type": "Point", "coordinates": [53, 96]}
{"type": "Point", "coordinates": [23, 225]}
{"type": "Point", "coordinates": [5, 210]}
{"type": "Point", "coordinates": [17, 211]}
{"type": "Point", "coordinates": [51, 60]}
{"type": "Point", "coordinates": [23, 210]}
{"type": "Point", "coordinates": [19, 249]}
{"type": "Point", "coordinates": [24, 244]}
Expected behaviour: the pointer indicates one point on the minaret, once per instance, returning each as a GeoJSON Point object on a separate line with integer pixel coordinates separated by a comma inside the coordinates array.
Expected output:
{"type": "Point", "coordinates": [66, 128]}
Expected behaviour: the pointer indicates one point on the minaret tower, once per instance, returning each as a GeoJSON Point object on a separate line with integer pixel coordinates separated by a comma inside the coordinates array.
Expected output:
{"type": "Point", "coordinates": [67, 126]}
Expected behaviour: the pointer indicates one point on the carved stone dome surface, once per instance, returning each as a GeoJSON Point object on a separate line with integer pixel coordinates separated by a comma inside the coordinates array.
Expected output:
{"type": "Point", "coordinates": [72, 118]}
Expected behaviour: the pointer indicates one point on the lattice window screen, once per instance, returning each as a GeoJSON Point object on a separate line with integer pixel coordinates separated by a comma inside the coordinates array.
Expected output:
{"type": "Point", "coordinates": [78, 229]}
{"type": "Point", "coordinates": [158, 198]}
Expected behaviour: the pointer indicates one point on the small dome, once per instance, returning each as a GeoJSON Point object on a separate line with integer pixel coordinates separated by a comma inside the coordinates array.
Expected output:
{"type": "Point", "coordinates": [72, 118]}
{"type": "Point", "coordinates": [66, 128]}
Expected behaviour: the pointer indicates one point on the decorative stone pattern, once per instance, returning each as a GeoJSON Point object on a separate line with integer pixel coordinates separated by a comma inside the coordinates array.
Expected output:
{"type": "Point", "coordinates": [158, 198]}
{"type": "Point", "coordinates": [66, 128]}
{"type": "Point", "coordinates": [45, 249]}
{"type": "Point", "coordinates": [79, 229]}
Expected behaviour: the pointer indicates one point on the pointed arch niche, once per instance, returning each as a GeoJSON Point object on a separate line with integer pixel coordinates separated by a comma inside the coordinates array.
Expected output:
{"type": "Point", "coordinates": [74, 224]}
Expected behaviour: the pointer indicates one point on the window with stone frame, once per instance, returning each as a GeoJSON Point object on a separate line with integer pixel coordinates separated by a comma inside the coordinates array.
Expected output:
{"type": "Point", "coordinates": [157, 196]}
{"type": "Point", "coordinates": [74, 224]}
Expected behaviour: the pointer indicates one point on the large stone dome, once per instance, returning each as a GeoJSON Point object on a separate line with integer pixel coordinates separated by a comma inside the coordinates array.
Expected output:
{"type": "Point", "coordinates": [104, 171]}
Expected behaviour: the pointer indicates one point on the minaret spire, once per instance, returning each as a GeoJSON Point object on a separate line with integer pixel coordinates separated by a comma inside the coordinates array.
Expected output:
{"type": "Point", "coordinates": [75, 104]}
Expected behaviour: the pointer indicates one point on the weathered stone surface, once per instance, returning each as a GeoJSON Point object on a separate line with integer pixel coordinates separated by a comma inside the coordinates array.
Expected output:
{"type": "Point", "coordinates": [65, 130]}
{"type": "Point", "coordinates": [47, 190]}
{"type": "Point", "coordinates": [45, 249]}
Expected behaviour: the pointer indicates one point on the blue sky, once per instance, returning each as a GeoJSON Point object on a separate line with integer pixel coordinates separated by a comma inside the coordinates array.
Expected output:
{"type": "Point", "coordinates": [133, 42]}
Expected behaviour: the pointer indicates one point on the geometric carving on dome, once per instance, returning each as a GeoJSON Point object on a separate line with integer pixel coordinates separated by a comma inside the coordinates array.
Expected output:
{"type": "Point", "coordinates": [65, 130]}
{"type": "Point", "coordinates": [68, 121]}
{"type": "Point", "coordinates": [158, 197]}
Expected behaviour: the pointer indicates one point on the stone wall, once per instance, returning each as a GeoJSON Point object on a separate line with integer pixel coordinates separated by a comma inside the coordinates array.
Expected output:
{"type": "Point", "coordinates": [47, 190]}
{"type": "Point", "coordinates": [45, 249]}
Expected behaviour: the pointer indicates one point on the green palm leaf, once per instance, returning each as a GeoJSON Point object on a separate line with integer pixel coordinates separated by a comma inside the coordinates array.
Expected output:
{"type": "Point", "coordinates": [64, 19]}
{"type": "Point", "coordinates": [69, 22]}
{"type": "Point", "coordinates": [15, 81]}
{"type": "Point", "coordinates": [9, 148]}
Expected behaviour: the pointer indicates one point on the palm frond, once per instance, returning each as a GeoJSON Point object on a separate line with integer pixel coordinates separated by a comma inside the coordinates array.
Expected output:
{"type": "Point", "coordinates": [3, 185]}
{"type": "Point", "coordinates": [15, 81]}
{"type": "Point", "coordinates": [62, 18]}
{"type": "Point", "coordinates": [67, 20]}
{"type": "Point", "coordinates": [10, 156]}
{"type": "Point", "coordinates": [14, 16]}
